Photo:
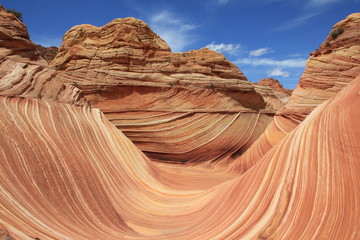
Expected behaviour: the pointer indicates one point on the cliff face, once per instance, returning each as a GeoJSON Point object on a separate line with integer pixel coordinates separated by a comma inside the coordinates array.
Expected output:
{"type": "Point", "coordinates": [47, 53]}
{"type": "Point", "coordinates": [330, 68]}
{"type": "Point", "coordinates": [14, 39]}
{"type": "Point", "coordinates": [23, 72]}
{"type": "Point", "coordinates": [175, 107]}
{"type": "Point", "coordinates": [132, 46]}
{"type": "Point", "coordinates": [282, 93]}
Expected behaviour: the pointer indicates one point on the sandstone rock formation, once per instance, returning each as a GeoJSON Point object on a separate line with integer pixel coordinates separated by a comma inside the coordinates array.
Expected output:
{"type": "Point", "coordinates": [66, 172]}
{"type": "Point", "coordinates": [47, 53]}
{"type": "Point", "coordinates": [78, 177]}
{"type": "Point", "coordinates": [23, 72]}
{"type": "Point", "coordinates": [176, 107]}
{"type": "Point", "coordinates": [275, 85]}
{"type": "Point", "coordinates": [331, 67]}
{"type": "Point", "coordinates": [14, 39]}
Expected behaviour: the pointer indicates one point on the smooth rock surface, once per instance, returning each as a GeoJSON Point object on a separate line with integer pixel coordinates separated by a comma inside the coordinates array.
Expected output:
{"type": "Point", "coordinates": [68, 173]}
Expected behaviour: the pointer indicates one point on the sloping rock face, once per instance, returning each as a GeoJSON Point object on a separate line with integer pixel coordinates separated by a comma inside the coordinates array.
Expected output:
{"type": "Point", "coordinates": [14, 39]}
{"type": "Point", "coordinates": [68, 173]}
{"type": "Point", "coordinates": [23, 72]}
{"type": "Point", "coordinates": [331, 67]}
{"type": "Point", "coordinates": [47, 53]}
{"type": "Point", "coordinates": [274, 85]}
{"type": "Point", "coordinates": [4, 235]}
{"type": "Point", "coordinates": [176, 107]}
{"type": "Point", "coordinates": [283, 93]}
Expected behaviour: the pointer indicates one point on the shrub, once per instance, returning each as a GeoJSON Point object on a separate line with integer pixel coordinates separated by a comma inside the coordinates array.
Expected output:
{"type": "Point", "coordinates": [16, 13]}
{"type": "Point", "coordinates": [337, 32]}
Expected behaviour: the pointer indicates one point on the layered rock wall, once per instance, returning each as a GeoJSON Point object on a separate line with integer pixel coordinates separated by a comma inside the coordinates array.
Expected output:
{"type": "Point", "coordinates": [67, 172]}
{"type": "Point", "coordinates": [23, 72]}
{"type": "Point", "coordinates": [278, 89]}
{"type": "Point", "coordinates": [175, 107]}
{"type": "Point", "coordinates": [330, 68]}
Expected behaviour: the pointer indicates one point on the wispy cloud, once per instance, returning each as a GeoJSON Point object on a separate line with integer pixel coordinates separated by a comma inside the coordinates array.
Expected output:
{"type": "Point", "coordinates": [277, 72]}
{"type": "Point", "coordinates": [317, 3]}
{"type": "Point", "coordinates": [259, 52]}
{"type": "Point", "coordinates": [230, 48]}
{"type": "Point", "coordinates": [290, 63]}
{"type": "Point", "coordinates": [297, 22]}
{"type": "Point", "coordinates": [173, 29]}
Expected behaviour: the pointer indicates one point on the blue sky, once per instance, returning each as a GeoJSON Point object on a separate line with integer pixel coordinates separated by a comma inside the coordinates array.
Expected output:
{"type": "Point", "coordinates": [264, 38]}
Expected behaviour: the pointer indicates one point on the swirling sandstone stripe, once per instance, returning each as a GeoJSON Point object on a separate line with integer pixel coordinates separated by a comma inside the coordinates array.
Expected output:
{"type": "Point", "coordinates": [67, 173]}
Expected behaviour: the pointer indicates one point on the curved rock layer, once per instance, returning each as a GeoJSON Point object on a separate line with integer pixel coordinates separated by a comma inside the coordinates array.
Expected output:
{"type": "Point", "coordinates": [174, 106]}
{"type": "Point", "coordinates": [35, 81]}
{"type": "Point", "coordinates": [15, 40]}
{"type": "Point", "coordinates": [23, 72]}
{"type": "Point", "coordinates": [331, 67]}
{"type": "Point", "coordinates": [177, 125]}
{"type": "Point", "coordinates": [191, 137]}
{"type": "Point", "coordinates": [277, 87]}
{"type": "Point", "coordinates": [68, 173]}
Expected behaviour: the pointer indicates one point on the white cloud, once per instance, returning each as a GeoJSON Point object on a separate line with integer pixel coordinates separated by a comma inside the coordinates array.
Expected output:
{"type": "Point", "coordinates": [259, 52]}
{"type": "Point", "coordinates": [230, 48]}
{"type": "Point", "coordinates": [297, 22]}
{"type": "Point", "coordinates": [322, 2]}
{"type": "Point", "coordinates": [276, 72]}
{"type": "Point", "coordinates": [315, 7]}
{"type": "Point", "coordinates": [292, 63]}
{"type": "Point", "coordinates": [174, 30]}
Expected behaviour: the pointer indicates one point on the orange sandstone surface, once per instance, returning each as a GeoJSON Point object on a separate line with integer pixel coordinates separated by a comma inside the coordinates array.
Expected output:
{"type": "Point", "coordinates": [176, 107]}
{"type": "Point", "coordinates": [331, 67]}
{"type": "Point", "coordinates": [277, 87]}
{"type": "Point", "coordinates": [68, 172]}
{"type": "Point", "coordinates": [23, 72]}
